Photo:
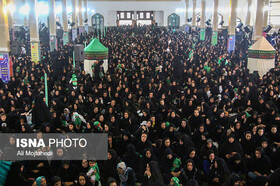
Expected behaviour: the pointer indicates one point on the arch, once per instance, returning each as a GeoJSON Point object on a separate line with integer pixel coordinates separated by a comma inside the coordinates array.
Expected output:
{"type": "Point", "coordinates": [174, 21]}
{"type": "Point", "coordinates": [97, 21]}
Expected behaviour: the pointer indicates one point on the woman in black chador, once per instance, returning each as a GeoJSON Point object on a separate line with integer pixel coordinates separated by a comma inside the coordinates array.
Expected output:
{"type": "Point", "coordinates": [40, 112]}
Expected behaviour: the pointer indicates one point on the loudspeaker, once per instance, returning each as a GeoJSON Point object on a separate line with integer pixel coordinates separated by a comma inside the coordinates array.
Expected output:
{"type": "Point", "coordinates": [247, 29]}
{"type": "Point", "coordinates": [72, 24]}
{"type": "Point", "coordinates": [16, 48]}
{"type": "Point", "coordinates": [267, 29]}
{"type": "Point", "coordinates": [79, 52]}
{"type": "Point", "coordinates": [59, 33]}
{"type": "Point", "coordinates": [239, 25]}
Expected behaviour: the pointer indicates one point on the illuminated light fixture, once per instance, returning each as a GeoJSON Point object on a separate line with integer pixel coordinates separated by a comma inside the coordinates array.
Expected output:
{"type": "Point", "coordinates": [42, 8]}
{"type": "Point", "coordinates": [88, 9]}
{"type": "Point", "coordinates": [92, 11]}
{"type": "Point", "coordinates": [83, 9]}
{"type": "Point", "coordinates": [209, 10]}
{"type": "Point", "coordinates": [180, 10]}
{"type": "Point", "coordinates": [25, 9]}
{"type": "Point", "coordinates": [58, 9]}
{"type": "Point", "coordinates": [5, 10]}
{"type": "Point", "coordinates": [11, 8]}
{"type": "Point", "coordinates": [69, 9]}
{"type": "Point", "coordinates": [267, 8]}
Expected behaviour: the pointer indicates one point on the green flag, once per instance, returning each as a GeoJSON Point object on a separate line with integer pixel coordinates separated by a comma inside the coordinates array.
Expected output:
{"type": "Point", "coordinates": [207, 68]}
{"type": "Point", "coordinates": [190, 54]}
{"type": "Point", "coordinates": [46, 90]}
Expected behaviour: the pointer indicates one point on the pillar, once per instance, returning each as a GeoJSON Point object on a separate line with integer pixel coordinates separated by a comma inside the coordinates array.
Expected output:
{"type": "Point", "coordinates": [215, 23]}
{"type": "Point", "coordinates": [187, 12]}
{"type": "Point", "coordinates": [86, 15]}
{"type": "Point", "coordinates": [4, 42]}
{"type": "Point", "coordinates": [259, 20]}
{"type": "Point", "coordinates": [80, 13]}
{"type": "Point", "coordinates": [74, 19]}
{"type": "Point", "coordinates": [134, 21]}
{"type": "Point", "coordinates": [52, 25]}
{"type": "Point", "coordinates": [10, 18]}
{"type": "Point", "coordinates": [34, 32]}
{"type": "Point", "coordinates": [25, 16]}
{"type": "Point", "coordinates": [202, 23]}
{"type": "Point", "coordinates": [232, 25]}
{"type": "Point", "coordinates": [265, 19]}
{"type": "Point", "coordinates": [65, 22]}
{"type": "Point", "coordinates": [187, 24]}
{"type": "Point", "coordinates": [248, 17]}
{"type": "Point", "coordinates": [193, 14]}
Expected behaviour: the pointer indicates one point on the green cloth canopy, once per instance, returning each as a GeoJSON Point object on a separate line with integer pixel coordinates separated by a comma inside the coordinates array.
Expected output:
{"type": "Point", "coordinates": [95, 50]}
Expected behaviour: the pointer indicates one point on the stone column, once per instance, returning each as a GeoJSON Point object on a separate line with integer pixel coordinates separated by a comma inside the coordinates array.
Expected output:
{"type": "Point", "coordinates": [4, 42]}
{"type": "Point", "coordinates": [248, 17]}
{"type": "Point", "coordinates": [134, 21]}
{"type": "Point", "coordinates": [34, 32]}
{"type": "Point", "coordinates": [215, 23]}
{"type": "Point", "coordinates": [80, 13]}
{"type": "Point", "coordinates": [10, 16]}
{"type": "Point", "coordinates": [86, 15]}
{"type": "Point", "coordinates": [202, 22]}
{"type": "Point", "coordinates": [187, 12]}
{"type": "Point", "coordinates": [52, 25]}
{"type": "Point", "coordinates": [25, 16]}
{"type": "Point", "coordinates": [259, 20]}
{"type": "Point", "coordinates": [65, 22]}
{"type": "Point", "coordinates": [265, 19]}
{"type": "Point", "coordinates": [194, 14]}
{"type": "Point", "coordinates": [232, 25]}
{"type": "Point", "coordinates": [74, 19]}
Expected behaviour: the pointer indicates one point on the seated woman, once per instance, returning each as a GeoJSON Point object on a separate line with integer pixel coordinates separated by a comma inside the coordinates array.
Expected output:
{"type": "Point", "coordinates": [152, 175]}
{"type": "Point", "coordinates": [189, 172]}
{"type": "Point", "coordinates": [259, 164]}
{"type": "Point", "coordinates": [218, 172]}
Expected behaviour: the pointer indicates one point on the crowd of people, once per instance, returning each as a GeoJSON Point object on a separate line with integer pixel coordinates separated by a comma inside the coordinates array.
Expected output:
{"type": "Point", "coordinates": [177, 110]}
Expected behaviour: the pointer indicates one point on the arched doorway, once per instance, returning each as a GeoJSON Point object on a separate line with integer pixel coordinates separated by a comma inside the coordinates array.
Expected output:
{"type": "Point", "coordinates": [173, 21]}
{"type": "Point", "coordinates": [97, 21]}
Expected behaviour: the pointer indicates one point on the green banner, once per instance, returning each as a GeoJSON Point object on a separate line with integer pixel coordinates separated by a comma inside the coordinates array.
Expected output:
{"type": "Point", "coordinates": [65, 38]}
{"type": "Point", "coordinates": [53, 43]}
{"type": "Point", "coordinates": [214, 37]}
{"type": "Point", "coordinates": [35, 52]}
{"type": "Point", "coordinates": [202, 34]}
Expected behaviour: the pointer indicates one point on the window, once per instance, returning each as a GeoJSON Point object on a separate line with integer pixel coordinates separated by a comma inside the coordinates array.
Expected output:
{"type": "Point", "coordinates": [148, 15]}
{"type": "Point", "coordinates": [125, 15]}
{"type": "Point", "coordinates": [145, 15]}
{"type": "Point", "coordinates": [98, 21]}
{"type": "Point", "coordinates": [174, 21]}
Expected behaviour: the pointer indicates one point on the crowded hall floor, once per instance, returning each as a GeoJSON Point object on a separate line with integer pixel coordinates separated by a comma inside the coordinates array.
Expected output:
{"type": "Point", "coordinates": [177, 111]}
